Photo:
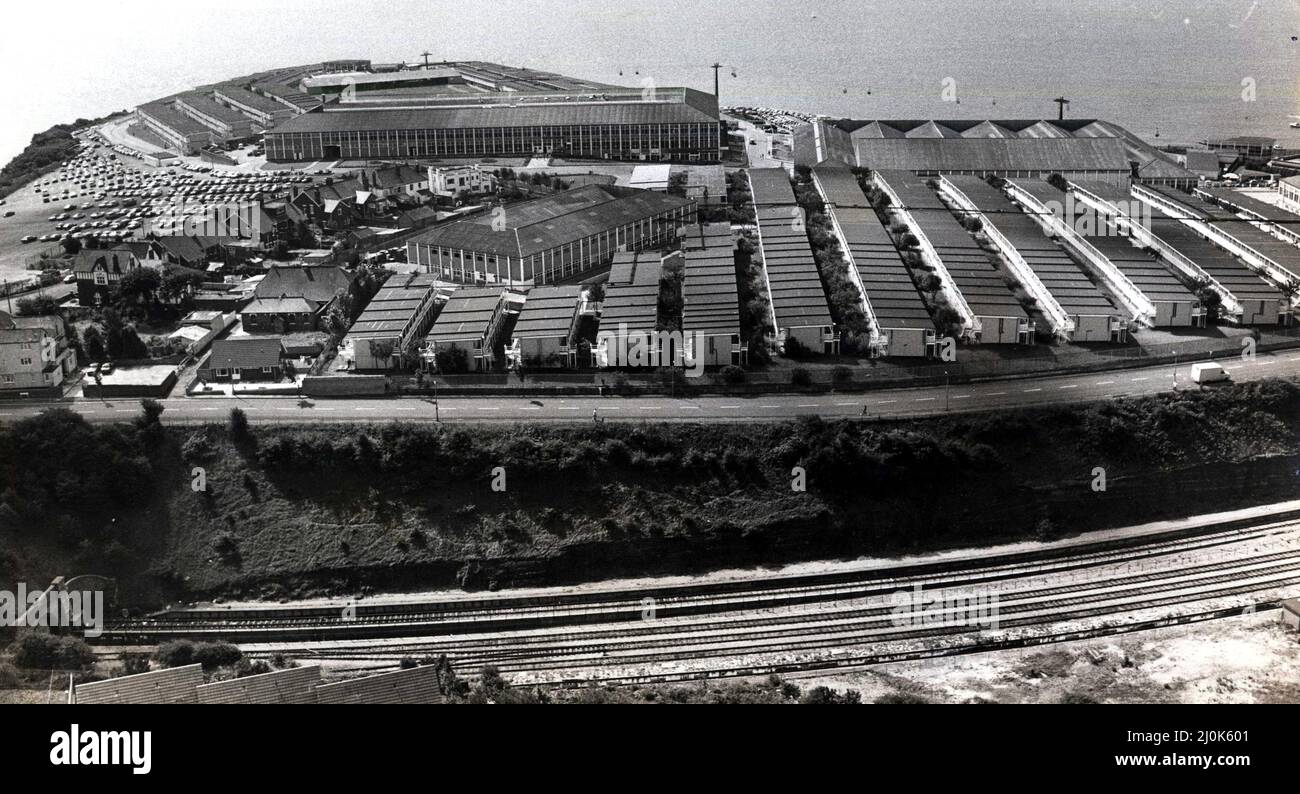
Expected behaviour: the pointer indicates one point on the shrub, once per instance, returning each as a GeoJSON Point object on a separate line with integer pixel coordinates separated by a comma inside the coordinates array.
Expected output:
{"type": "Point", "coordinates": [733, 374]}
{"type": "Point", "coordinates": [800, 377]}
{"type": "Point", "coordinates": [40, 651]}
{"type": "Point", "coordinates": [175, 653]}
{"type": "Point", "coordinates": [842, 374]}
{"type": "Point", "coordinates": [217, 654]}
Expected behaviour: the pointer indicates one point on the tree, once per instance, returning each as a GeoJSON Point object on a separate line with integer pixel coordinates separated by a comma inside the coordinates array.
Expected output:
{"type": "Point", "coordinates": [139, 286]}
{"type": "Point", "coordinates": [132, 346]}
{"type": "Point", "coordinates": [94, 344]}
{"type": "Point", "coordinates": [71, 245]}
{"type": "Point", "coordinates": [175, 653]}
{"type": "Point", "coordinates": [150, 412]}
{"type": "Point", "coordinates": [38, 306]}
{"type": "Point", "coordinates": [239, 425]}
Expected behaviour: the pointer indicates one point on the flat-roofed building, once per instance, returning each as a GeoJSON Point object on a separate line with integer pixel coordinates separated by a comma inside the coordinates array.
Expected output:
{"type": "Point", "coordinates": [546, 328]}
{"type": "Point", "coordinates": [451, 180]}
{"type": "Point", "coordinates": [34, 354]}
{"type": "Point", "coordinates": [263, 110]}
{"type": "Point", "coordinates": [178, 131]}
{"type": "Point", "coordinates": [550, 239]}
{"type": "Point", "coordinates": [226, 123]}
{"type": "Point", "coordinates": [471, 321]}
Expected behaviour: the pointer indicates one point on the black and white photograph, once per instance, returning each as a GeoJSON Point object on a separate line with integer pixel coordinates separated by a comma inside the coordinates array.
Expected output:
{"type": "Point", "coordinates": [526, 352]}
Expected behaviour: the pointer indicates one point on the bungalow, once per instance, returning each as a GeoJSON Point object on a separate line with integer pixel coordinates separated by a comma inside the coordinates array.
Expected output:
{"type": "Point", "coordinates": [244, 358]}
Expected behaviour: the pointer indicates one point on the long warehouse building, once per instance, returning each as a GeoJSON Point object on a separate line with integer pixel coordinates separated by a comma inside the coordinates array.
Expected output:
{"type": "Point", "coordinates": [901, 323]}
{"type": "Point", "coordinates": [710, 302]}
{"type": "Point", "coordinates": [670, 124]}
{"type": "Point", "coordinates": [1073, 304]}
{"type": "Point", "coordinates": [980, 290]}
{"type": "Point", "coordinates": [794, 287]}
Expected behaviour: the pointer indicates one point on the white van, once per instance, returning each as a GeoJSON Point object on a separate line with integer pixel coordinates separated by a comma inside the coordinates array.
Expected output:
{"type": "Point", "coordinates": [1209, 372]}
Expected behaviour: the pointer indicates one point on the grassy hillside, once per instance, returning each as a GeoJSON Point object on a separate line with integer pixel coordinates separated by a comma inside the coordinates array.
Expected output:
{"type": "Point", "coordinates": [292, 510]}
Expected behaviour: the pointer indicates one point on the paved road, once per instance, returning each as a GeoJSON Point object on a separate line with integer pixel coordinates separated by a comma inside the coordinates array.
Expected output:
{"type": "Point", "coordinates": [907, 402]}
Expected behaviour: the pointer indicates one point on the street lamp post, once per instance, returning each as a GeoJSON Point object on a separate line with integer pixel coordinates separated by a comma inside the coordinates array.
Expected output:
{"type": "Point", "coordinates": [947, 382]}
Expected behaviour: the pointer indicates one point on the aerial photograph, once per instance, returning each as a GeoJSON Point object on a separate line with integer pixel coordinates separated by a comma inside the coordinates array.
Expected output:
{"type": "Point", "coordinates": [766, 352]}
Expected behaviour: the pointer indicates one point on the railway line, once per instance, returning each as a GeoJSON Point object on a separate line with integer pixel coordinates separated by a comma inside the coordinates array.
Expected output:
{"type": "Point", "coordinates": [783, 623]}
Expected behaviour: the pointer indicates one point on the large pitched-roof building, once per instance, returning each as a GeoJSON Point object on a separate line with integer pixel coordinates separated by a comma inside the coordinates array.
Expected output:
{"type": "Point", "coordinates": [550, 239]}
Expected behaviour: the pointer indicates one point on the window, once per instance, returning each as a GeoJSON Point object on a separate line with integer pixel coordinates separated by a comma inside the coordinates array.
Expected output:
{"type": "Point", "coordinates": [101, 278]}
{"type": "Point", "coordinates": [267, 370]}
{"type": "Point", "coordinates": [26, 362]}
{"type": "Point", "coordinates": [6, 378]}
{"type": "Point", "coordinates": [221, 373]}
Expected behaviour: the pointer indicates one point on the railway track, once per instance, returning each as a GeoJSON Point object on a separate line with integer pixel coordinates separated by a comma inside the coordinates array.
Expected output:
{"type": "Point", "coordinates": [442, 617]}
{"type": "Point", "coordinates": [783, 624]}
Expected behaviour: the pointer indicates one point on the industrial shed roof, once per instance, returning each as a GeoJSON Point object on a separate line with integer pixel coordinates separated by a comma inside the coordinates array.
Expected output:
{"type": "Point", "coordinates": [540, 224]}
{"type": "Point", "coordinates": [416, 685]}
{"type": "Point", "coordinates": [242, 95]}
{"type": "Point", "coordinates": [889, 287]}
{"type": "Point", "coordinates": [1145, 272]}
{"type": "Point", "coordinates": [394, 305]}
{"type": "Point", "coordinates": [975, 275]}
{"type": "Point", "coordinates": [636, 267]}
{"type": "Point", "coordinates": [1284, 255]}
{"type": "Point", "coordinates": [794, 285]}
{"type": "Point", "coordinates": [174, 685]}
{"type": "Point", "coordinates": [467, 314]}
{"type": "Point", "coordinates": [992, 154]}
{"type": "Point", "coordinates": [1250, 205]}
{"type": "Point", "coordinates": [709, 300]}
{"type": "Point", "coordinates": [1238, 279]}
{"type": "Point", "coordinates": [683, 106]}
{"type": "Point", "coordinates": [294, 685]}
{"type": "Point", "coordinates": [1061, 276]}
{"type": "Point", "coordinates": [548, 312]}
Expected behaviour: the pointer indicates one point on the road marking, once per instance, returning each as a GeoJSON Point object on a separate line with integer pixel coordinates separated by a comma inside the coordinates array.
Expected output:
{"type": "Point", "coordinates": [690, 407]}
{"type": "Point", "coordinates": [570, 408]}
{"type": "Point", "coordinates": [487, 408]}
{"type": "Point", "coordinates": [997, 394]}
{"type": "Point", "coordinates": [845, 405]}
{"type": "Point", "coordinates": [1105, 383]}
{"type": "Point", "coordinates": [927, 399]}
{"type": "Point", "coordinates": [807, 405]}
{"type": "Point", "coordinates": [530, 408]}
{"type": "Point", "coordinates": [1139, 380]}
{"type": "Point", "coordinates": [1071, 386]}
{"type": "Point", "coordinates": [961, 396]}
{"type": "Point", "coordinates": [649, 407]}
{"type": "Point", "coordinates": [1031, 391]}
{"type": "Point", "coordinates": [886, 402]}
{"type": "Point", "coordinates": [729, 407]}
{"type": "Point", "coordinates": [769, 407]}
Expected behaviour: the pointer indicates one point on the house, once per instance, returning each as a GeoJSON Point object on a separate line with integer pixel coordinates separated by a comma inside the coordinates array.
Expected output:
{"type": "Point", "coordinates": [193, 251]}
{"type": "Point", "coordinates": [34, 354]}
{"type": "Point", "coordinates": [294, 298]}
{"type": "Point", "coordinates": [449, 181]}
{"type": "Point", "coordinates": [396, 179]}
{"type": "Point", "coordinates": [244, 358]}
{"type": "Point", "coordinates": [99, 273]}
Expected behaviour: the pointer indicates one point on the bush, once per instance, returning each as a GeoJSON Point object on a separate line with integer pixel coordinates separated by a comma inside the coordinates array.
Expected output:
{"type": "Point", "coordinates": [38, 651]}
{"type": "Point", "coordinates": [800, 377]}
{"type": "Point", "coordinates": [733, 374]}
{"type": "Point", "coordinates": [842, 374]}
{"type": "Point", "coordinates": [176, 653]}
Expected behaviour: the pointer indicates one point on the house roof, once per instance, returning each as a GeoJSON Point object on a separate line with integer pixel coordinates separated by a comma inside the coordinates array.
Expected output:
{"type": "Point", "coordinates": [466, 315]}
{"type": "Point", "coordinates": [315, 283]}
{"type": "Point", "coordinates": [245, 352]}
{"type": "Point", "coordinates": [280, 306]}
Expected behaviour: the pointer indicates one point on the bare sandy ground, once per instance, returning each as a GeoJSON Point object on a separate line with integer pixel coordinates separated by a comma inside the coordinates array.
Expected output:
{"type": "Point", "coordinates": [1249, 659]}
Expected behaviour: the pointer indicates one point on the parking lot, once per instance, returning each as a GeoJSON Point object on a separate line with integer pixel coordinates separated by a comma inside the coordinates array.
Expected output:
{"type": "Point", "coordinates": [108, 193]}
